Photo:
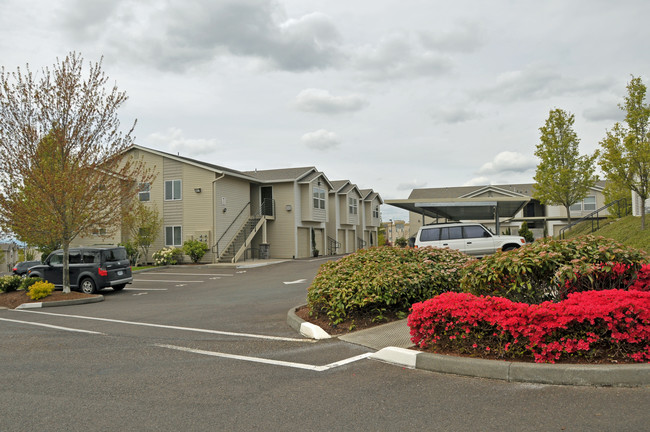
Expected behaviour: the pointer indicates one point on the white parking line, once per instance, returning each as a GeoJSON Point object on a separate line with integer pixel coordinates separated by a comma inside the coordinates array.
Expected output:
{"type": "Point", "coordinates": [165, 281]}
{"type": "Point", "coordinates": [146, 289]}
{"type": "Point", "coordinates": [269, 361]}
{"type": "Point", "coordinates": [52, 326]}
{"type": "Point", "coordinates": [188, 274]}
{"type": "Point", "coordinates": [225, 333]}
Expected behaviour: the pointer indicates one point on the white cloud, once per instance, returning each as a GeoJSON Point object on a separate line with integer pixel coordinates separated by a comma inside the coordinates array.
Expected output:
{"type": "Point", "coordinates": [322, 101]}
{"type": "Point", "coordinates": [508, 162]}
{"type": "Point", "coordinates": [465, 38]}
{"type": "Point", "coordinates": [478, 181]}
{"type": "Point", "coordinates": [453, 115]}
{"type": "Point", "coordinates": [174, 140]}
{"type": "Point", "coordinates": [604, 111]}
{"type": "Point", "coordinates": [413, 184]}
{"type": "Point", "coordinates": [321, 139]}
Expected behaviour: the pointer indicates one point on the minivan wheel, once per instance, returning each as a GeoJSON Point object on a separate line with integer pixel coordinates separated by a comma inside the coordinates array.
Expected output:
{"type": "Point", "coordinates": [119, 287]}
{"type": "Point", "coordinates": [88, 286]}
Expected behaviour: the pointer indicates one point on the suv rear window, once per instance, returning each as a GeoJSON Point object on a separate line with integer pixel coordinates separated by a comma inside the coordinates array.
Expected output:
{"type": "Point", "coordinates": [114, 255]}
{"type": "Point", "coordinates": [431, 234]}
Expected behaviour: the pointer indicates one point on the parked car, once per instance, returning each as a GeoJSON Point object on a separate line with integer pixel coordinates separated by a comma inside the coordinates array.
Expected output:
{"type": "Point", "coordinates": [471, 238]}
{"type": "Point", "coordinates": [91, 268]}
{"type": "Point", "coordinates": [20, 269]}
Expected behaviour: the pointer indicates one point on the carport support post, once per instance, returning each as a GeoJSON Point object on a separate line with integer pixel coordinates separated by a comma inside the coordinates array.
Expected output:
{"type": "Point", "coordinates": [497, 222]}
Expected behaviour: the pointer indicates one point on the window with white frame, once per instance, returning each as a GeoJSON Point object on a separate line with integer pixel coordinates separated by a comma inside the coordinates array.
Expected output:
{"type": "Point", "coordinates": [375, 212]}
{"type": "Point", "coordinates": [172, 190]}
{"type": "Point", "coordinates": [587, 204]}
{"type": "Point", "coordinates": [145, 192]}
{"type": "Point", "coordinates": [173, 236]}
{"type": "Point", "coordinates": [319, 198]}
{"type": "Point", "coordinates": [353, 206]}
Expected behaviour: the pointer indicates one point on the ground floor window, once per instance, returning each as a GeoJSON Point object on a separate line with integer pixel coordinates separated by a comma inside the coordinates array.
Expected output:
{"type": "Point", "coordinates": [173, 236]}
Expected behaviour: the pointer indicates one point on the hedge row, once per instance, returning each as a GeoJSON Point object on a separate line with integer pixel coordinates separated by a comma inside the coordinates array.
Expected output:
{"type": "Point", "coordinates": [593, 324]}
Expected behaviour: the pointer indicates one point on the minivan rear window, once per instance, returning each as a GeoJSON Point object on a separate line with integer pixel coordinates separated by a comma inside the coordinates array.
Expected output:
{"type": "Point", "coordinates": [114, 254]}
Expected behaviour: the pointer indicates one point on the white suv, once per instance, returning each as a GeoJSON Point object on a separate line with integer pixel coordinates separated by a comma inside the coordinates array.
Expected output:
{"type": "Point", "coordinates": [471, 238]}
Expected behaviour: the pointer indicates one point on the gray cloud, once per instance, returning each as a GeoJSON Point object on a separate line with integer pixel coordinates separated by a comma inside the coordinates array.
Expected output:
{"type": "Point", "coordinates": [413, 184]}
{"type": "Point", "coordinates": [400, 55]}
{"type": "Point", "coordinates": [539, 82]}
{"type": "Point", "coordinates": [322, 101]}
{"type": "Point", "coordinates": [604, 111]}
{"type": "Point", "coordinates": [178, 34]}
{"type": "Point", "coordinates": [466, 38]}
{"type": "Point", "coordinates": [454, 115]}
{"type": "Point", "coordinates": [174, 140]}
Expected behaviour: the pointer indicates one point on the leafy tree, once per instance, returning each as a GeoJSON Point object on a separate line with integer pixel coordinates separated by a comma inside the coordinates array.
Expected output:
{"type": "Point", "coordinates": [625, 155]}
{"type": "Point", "coordinates": [65, 167]}
{"type": "Point", "coordinates": [526, 233]}
{"type": "Point", "coordinates": [144, 224]}
{"type": "Point", "coordinates": [614, 192]}
{"type": "Point", "coordinates": [563, 177]}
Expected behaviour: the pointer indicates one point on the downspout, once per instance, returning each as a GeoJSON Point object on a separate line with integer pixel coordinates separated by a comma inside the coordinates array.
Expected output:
{"type": "Point", "coordinates": [214, 212]}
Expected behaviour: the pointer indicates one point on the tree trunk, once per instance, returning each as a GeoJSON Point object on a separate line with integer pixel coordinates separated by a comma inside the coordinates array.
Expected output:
{"type": "Point", "coordinates": [66, 267]}
{"type": "Point", "coordinates": [642, 214]}
{"type": "Point", "coordinates": [568, 214]}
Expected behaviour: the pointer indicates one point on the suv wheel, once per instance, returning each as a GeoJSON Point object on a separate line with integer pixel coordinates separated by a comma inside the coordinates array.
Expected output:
{"type": "Point", "coordinates": [88, 286]}
{"type": "Point", "coordinates": [119, 287]}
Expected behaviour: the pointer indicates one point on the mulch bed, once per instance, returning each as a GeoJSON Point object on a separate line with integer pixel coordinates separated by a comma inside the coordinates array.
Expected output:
{"type": "Point", "coordinates": [14, 299]}
{"type": "Point", "coordinates": [358, 322]}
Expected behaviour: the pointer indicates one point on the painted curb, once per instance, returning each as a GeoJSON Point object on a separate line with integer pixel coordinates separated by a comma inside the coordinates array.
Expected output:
{"type": "Point", "coordinates": [37, 305]}
{"type": "Point", "coordinates": [313, 331]}
{"type": "Point", "coordinates": [625, 375]}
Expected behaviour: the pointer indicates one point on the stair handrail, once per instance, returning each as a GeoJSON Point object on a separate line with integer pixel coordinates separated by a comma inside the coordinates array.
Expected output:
{"type": "Point", "coordinates": [216, 245]}
{"type": "Point", "coordinates": [595, 212]}
{"type": "Point", "coordinates": [332, 245]}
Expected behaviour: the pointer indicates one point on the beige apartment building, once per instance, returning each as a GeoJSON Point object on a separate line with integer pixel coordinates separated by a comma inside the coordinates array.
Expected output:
{"type": "Point", "coordinates": [282, 213]}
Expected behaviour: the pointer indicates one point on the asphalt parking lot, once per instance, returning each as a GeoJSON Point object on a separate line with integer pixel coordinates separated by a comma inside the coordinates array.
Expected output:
{"type": "Point", "coordinates": [205, 348]}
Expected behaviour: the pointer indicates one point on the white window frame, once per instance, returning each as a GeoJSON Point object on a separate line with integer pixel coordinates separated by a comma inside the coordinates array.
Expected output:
{"type": "Point", "coordinates": [173, 229]}
{"type": "Point", "coordinates": [353, 206]}
{"type": "Point", "coordinates": [174, 194]}
{"type": "Point", "coordinates": [581, 206]}
{"type": "Point", "coordinates": [144, 194]}
{"type": "Point", "coordinates": [375, 212]}
{"type": "Point", "coordinates": [318, 195]}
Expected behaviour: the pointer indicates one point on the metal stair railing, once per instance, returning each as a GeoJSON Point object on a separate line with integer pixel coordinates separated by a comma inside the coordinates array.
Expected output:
{"type": "Point", "coordinates": [332, 246]}
{"type": "Point", "coordinates": [225, 239]}
{"type": "Point", "coordinates": [591, 217]}
{"type": "Point", "coordinates": [361, 243]}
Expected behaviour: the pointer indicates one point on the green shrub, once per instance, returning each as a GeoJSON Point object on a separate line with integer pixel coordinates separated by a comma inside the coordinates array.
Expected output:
{"type": "Point", "coordinates": [10, 283]}
{"type": "Point", "coordinates": [526, 233]}
{"type": "Point", "coordinates": [383, 279]}
{"type": "Point", "coordinates": [195, 249]}
{"type": "Point", "coordinates": [28, 282]}
{"type": "Point", "coordinates": [539, 271]}
{"type": "Point", "coordinates": [40, 290]}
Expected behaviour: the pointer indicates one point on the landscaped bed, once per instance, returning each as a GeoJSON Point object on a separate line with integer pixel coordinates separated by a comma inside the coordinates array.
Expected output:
{"type": "Point", "coordinates": [11, 300]}
{"type": "Point", "coordinates": [580, 300]}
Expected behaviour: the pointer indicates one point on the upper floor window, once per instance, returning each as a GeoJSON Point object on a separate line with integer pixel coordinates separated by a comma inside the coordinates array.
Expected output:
{"type": "Point", "coordinates": [145, 192]}
{"type": "Point", "coordinates": [587, 204]}
{"type": "Point", "coordinates": [172, 190]}
{"type": "Point", "coordinates": [375, 212]}
{"type": "Point", "coordinates": [319, 198]}
{"type": "Point", "coordinates": [353, 206]}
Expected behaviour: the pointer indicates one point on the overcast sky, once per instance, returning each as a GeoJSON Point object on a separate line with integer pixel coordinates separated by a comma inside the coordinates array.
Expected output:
{"type": "Point", "coordinates": [390, 94]}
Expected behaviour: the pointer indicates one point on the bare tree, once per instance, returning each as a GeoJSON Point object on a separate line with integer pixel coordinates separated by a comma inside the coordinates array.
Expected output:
{"type": "Point", "coordinates": [65, 166]}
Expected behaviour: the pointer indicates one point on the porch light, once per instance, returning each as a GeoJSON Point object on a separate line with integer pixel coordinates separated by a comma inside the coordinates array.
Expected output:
{"type": "Point", "coordinates": [197, 190]}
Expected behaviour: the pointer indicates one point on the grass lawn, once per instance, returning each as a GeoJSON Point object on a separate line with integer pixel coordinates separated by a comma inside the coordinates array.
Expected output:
{"type": "Point", "coordinates": [626, 230]}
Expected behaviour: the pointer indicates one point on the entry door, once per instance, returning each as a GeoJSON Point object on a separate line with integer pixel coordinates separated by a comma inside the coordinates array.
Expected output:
{"type": "Point", "coordinates": [266, 198]}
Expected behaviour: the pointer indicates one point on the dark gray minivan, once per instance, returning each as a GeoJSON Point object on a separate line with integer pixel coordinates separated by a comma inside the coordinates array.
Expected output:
{"type": "Point", "coordinates": [91, 268]}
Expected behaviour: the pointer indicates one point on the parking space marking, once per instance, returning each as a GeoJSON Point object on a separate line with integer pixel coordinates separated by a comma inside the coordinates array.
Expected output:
{"type": "Point", "coordinates": [189, 274]}
{"type": "Point", "coordinates": [165, 281]}
{"type": "Point", "coordinates": [295, 282]}
{"type": "Point", "coordinates": [170, 327]}
{"type": "Point", "coordinates": [52, 326]}
{"type": "Point", "coordinates": [146, 289]}
{"type": "Point", "coordinates": [269, 361]}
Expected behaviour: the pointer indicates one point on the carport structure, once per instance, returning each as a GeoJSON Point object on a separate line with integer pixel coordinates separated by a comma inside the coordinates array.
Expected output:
{"type": "Point", "coordinates": [465, 209]}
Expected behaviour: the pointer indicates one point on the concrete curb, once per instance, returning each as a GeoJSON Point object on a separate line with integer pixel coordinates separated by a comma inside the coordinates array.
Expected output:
{"type": "Point", "coordinates": [610, 375]}
{"type": "Point", "coordinates": [37, 305]}
{"type": "Point", "coordinates": [306, 329]}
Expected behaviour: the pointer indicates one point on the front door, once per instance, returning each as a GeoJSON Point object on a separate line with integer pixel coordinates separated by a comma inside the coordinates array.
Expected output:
{"type": "Point", "coordinates": [266, 198]}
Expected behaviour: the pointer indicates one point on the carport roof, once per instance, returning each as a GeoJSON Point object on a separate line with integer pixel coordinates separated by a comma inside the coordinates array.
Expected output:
{"type": "Point", "coordinates": [479, 208]}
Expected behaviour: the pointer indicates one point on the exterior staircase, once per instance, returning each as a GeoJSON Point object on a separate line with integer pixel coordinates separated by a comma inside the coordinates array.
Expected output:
{"type": "Point", "coordinates": [237, 246]}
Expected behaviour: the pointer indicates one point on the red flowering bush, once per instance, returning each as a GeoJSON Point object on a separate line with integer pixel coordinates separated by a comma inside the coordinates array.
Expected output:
{"type": "Point", "coordinates": [383, 279]}
{"type": "Point", "coordinates": [549, 269]}
{"type": "Point", "coordinates": [612, 324]}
